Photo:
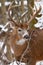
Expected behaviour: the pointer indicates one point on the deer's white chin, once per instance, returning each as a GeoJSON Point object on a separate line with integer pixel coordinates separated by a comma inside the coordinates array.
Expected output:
{"type": "Point", "coordinates": [20, 42]}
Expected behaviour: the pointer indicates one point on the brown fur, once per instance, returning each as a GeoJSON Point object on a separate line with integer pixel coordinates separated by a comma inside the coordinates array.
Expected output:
{"type": "Point", "coordinates": [36, 48]}
{"type": "Point", "coordinates": [11, 40]}
{"type": "Point", "coordinates": [35, 51]}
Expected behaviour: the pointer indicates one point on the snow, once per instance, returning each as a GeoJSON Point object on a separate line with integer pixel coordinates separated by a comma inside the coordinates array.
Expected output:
{"type": "Point", "coordinates": [6, 3]}
{"type": "Point", "coordinates": [5, 49]}
{"type": "Point", "coordinates": [0, 4]}
{"type": "Point", "coordinates": [25, 2]}
{"type": "Point", "coordinates": [16, 63]}
{"type": "Point", "coordinates": [1, 44]}
{"type": "Point", "coordinates": [39, 24]}
{"type": "Point", "coordinates": [39, 63]}
{"type": "Point", "coordinates": [3, 27]}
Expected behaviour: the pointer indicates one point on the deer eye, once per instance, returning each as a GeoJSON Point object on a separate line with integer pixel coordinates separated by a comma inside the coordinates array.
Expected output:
{"type": "Point", "coordinates": [19, 30]}
{"type": "Point", "coordinates": [27, 29]}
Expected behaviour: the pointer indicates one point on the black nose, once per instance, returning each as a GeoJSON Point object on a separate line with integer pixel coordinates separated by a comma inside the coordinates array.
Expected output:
{"type": "Point", "coordinates": [26, 36]}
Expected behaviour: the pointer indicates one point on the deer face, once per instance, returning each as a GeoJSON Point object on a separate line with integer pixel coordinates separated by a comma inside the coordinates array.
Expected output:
{"type": "Point", "coordinates": [20, 34]}
{"type": "Point", "coordinates": [18, 40]}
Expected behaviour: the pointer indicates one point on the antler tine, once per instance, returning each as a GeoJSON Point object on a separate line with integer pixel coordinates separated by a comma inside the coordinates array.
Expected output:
{"type": "Point", "coordinates": [34, 15]}
{"type": "Point", "coordinates": [10, 7]}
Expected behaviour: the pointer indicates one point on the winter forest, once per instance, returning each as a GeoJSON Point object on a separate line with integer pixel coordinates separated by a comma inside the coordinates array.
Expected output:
{"type": "Point", "coordinates": [21, 32]}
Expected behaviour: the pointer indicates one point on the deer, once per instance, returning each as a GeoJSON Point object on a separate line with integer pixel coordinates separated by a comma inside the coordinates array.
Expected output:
{"type": "Point", "coordinates": [27, 44]}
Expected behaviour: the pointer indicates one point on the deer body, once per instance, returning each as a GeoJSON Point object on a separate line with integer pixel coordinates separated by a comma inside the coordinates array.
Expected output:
{"type": "Point", "coordinates": [36, 47]}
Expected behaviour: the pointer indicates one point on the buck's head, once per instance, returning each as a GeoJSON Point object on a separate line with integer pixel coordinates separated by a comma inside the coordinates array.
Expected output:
{"type": "Point", "coordinates": [20, 34]}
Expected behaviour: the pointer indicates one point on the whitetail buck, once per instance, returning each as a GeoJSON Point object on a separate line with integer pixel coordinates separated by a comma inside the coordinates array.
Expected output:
{"type": "Point", "coordinates": [27, 46]}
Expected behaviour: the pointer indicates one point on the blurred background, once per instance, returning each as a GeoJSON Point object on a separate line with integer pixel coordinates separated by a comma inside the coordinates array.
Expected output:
{"type": "Point", "coordinates": [21, 14]}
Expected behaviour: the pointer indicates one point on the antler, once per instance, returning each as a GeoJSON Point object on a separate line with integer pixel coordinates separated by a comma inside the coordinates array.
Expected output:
{"type": "Point", "coordinates": [10, 8]}
{"type": "Point", "coordinates": [34, 15]}
{"type": "Point", "coordinates": [31, 18]}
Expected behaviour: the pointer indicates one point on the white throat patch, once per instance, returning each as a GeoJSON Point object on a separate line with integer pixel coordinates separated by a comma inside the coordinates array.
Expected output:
{"type": "Point", "coordinates": [20, 42]}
